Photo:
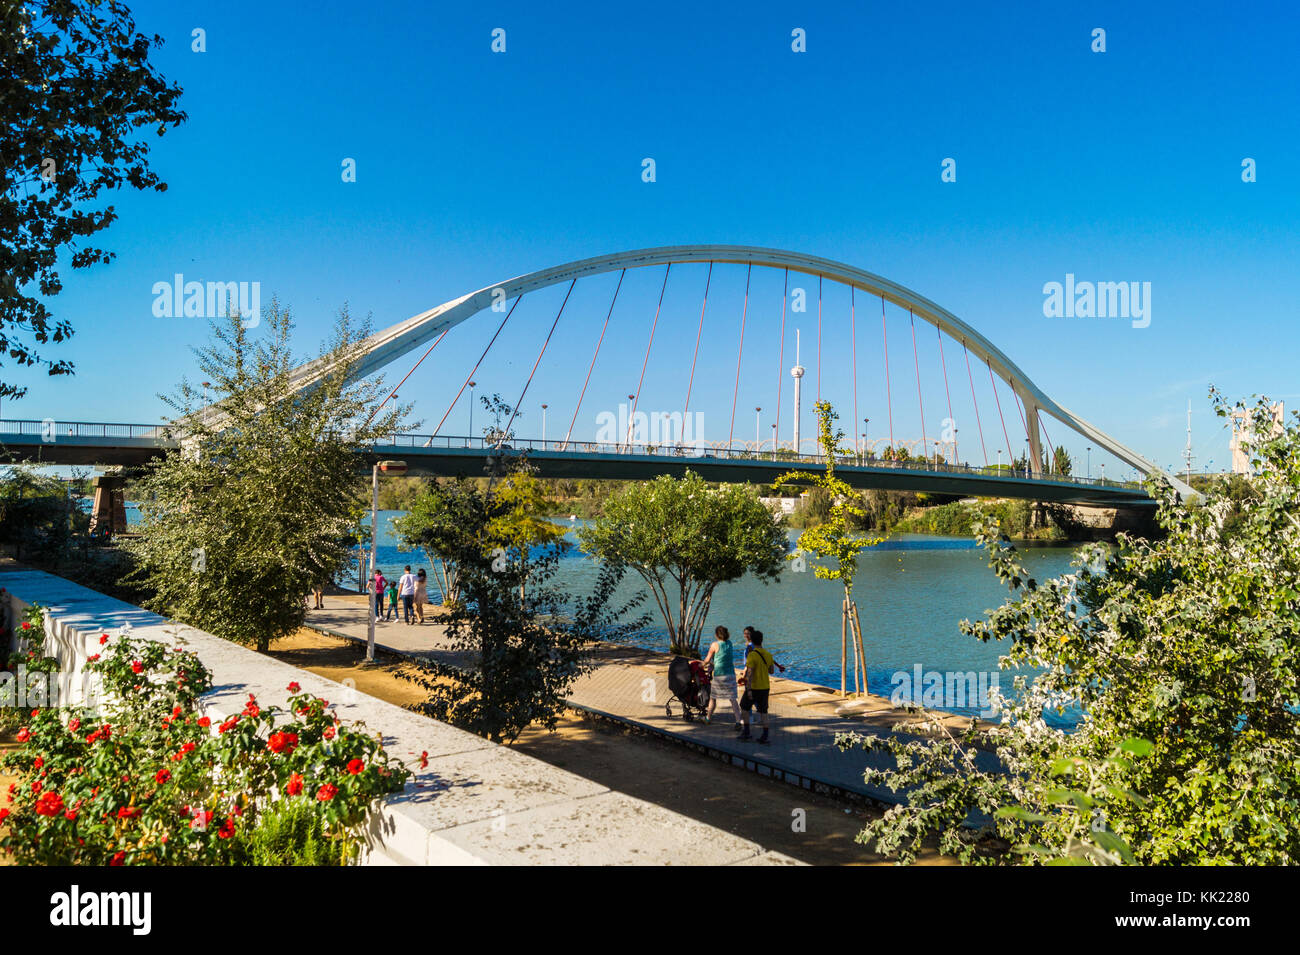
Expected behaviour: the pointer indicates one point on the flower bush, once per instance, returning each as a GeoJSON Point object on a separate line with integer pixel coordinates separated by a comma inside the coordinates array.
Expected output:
{"type": "Point", "coordinates": [30, 655]}
{"type": "Point", "coordinates": [151, 780]}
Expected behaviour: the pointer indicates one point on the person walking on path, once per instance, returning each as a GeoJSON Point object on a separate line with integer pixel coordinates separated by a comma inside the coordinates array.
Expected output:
{"type": "Point", "coordinates": [391, 613]}
{"type": "Point", "coordinates": [758, 669]}
{"type": "Point", "coordinates": [723, 686]}
{"type": "Point", "coordinates": [406, 588]}
{"type": "Point", "coordinates": [379, 584]}
{"type": "Point", "coordinates": [749, 645]}
{"type": "Point", "coordinates": [421, 593]}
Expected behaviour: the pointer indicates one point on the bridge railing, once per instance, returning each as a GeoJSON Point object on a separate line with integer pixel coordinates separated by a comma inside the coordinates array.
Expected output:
{"type": "Point", "coordinates": [49, 429]}
{"type": "Point", "coordinates": [707, 451]}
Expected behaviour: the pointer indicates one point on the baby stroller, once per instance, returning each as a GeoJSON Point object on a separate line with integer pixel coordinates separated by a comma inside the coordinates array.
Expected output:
{"type": "Point", "coordinates": [689, 682]}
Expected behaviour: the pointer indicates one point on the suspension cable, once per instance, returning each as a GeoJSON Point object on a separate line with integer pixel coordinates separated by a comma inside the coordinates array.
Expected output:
{"type": "Point", "coordinates": [393, 393]}
{"type": "Point", "coordinates": [736, 392]}
{"type": "Point", "coordinates": [917, 361]}
{"type": "Point", "coordinates": [515, 411]}
{"type": "Point", "coordinates": [889, 398]}
{"type": "Point", "coordinates": [631, 421]}
{"type": "Point", "coordinates": [992, 384]}
{"type": "Point", "coordinates": [592, 366]}
{"type": "Point", "coordinates": [952, 422]}
{"type": "Point", "coordinates": [470, 376]}
{"type": "Point", "coordinates": [976, 402]}
{"type": "Point", "coordinates": [687, 407]}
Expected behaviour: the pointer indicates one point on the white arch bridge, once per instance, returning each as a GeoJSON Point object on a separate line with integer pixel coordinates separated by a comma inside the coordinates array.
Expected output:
{"type": "Point", "coordinates": [442, 453]}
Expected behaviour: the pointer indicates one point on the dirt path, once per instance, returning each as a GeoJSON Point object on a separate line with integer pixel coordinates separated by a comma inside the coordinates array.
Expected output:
{"type": "Point", "coordinates": [812, 828]}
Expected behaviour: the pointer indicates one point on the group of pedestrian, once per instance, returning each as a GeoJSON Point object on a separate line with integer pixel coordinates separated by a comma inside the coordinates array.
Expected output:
{"type": "Point", "coordinates": [757, 679]}
{"type": "Point", "coordinates": [412, 590]}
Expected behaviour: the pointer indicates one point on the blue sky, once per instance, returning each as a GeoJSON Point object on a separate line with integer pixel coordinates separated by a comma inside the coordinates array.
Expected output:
{"type": "Point", "coordinates": [473, 167]}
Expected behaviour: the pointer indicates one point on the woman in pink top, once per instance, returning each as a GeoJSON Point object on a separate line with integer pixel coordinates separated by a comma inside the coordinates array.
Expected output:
{"type": "Point", "coordinates": [380, 584]}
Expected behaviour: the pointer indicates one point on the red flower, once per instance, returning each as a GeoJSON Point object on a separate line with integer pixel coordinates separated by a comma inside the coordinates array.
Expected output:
{"type": "Point", "coordinates": [27, 625]}
{"type": "Point", "coordinates": [282, 742]}
{"type": "Point", "coordinates": [162, 776]}
{"type": "Point", "coordinates": [176, 712]}
{"type": "Point", "coordinates": [103, 640]}
{"type": "Point", "coordinates": [356, 767]}
{"type": "Point", "coordinates": [251, 709]}
{"type": "Point", "coordinates": [227, 829]}
{"type": "Point", "coordinates": [294, 687]}
{"type": "Point", "coordinates": [204, 722]}
{"type": "Point", "coordinates": [137, 666]}
{"type": "Point", "coordinates": [201, 819]}
{"type": "Point", "coordinates": [119, 857]}
{"type": "Point", "coordinates": [329, 732]}
{"type": "Point", "coordinates": [70, 814]}
{"type": "Point", "coordinates": [228, 724]}
{"type": "Point", "coordinates": [50, 804]}
{"type": "Point", "coordinates": [74, 725]}
{"type": "Point", "coordinates": [92, 658]}
{"type": "Point", "coordinates": [327, 792]}
{"type": "Point", "coordinates": [37, 785]}
{"type": "Point", "coordinates": [424, 759]}
{"type": "Point", "coordinates": [38, 762]}
{"type": "Point", "coordinates": [4, 814]}
{"type": "Point", "coordinates": [24, 735]}
{"type": "Point", "coordinates": [128, 812]}
{"type": "Point", "coordinates": [294, 786]}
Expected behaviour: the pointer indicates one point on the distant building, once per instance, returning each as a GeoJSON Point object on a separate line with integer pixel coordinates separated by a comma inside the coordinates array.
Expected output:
{"type": "Point", "coordinates": [1242, 437]}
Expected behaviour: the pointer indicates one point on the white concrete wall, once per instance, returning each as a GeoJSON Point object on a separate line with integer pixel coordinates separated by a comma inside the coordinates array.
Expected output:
{"type": "Point", "coordinates": [477, 803]}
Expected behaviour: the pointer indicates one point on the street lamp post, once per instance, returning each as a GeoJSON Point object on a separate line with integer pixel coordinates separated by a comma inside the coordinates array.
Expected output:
{"type": "Point", "coordinates": [866, 429]}
{"type": "Point", "coordinates": [543, 427]}
{"type": "Point", "coordinates": [758, 439]}
{"type": "Point", "coordinates": [999, 460]}
{"type": "Point", "coordinates": [471, 413]}
{"type": "Point", "coordinates": [773, 441]}
{"type": "Point", "coordinates": [1089, 462]}
{"type": "Point", "coordinates": [631, 421]}
{"type": "Point", "coordinates": [396, 469]}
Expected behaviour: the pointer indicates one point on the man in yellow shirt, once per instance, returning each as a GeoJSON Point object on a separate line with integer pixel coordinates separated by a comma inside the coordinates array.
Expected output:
{"type": "Point", "coordinates": [758, 669]}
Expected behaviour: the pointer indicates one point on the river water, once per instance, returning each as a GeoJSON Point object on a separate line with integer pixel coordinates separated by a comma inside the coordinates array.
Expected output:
{"type": "Point", "coordinates": [912, 592]}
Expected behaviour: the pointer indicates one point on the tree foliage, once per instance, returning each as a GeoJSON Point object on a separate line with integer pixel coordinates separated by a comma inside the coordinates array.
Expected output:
{"type": "Point", "coordinates": [1190, 643]}
{"type": "Point", "coordinates": [77, 90]}
{"type": "Point", "coordinates": [259, 505]}
{"type": "Point", "coordinates": [521, 647]}
{"type": "Point", "coordinates": [684, 538]}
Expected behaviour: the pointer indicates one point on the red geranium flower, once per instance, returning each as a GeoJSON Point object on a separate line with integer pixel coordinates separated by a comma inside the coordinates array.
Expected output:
{"type": "Point", "coordinates": [205, 722]}
{"type": "Point", "coordinates": [137, 666]}
{"type": "Point", "coordinates": [50, 804]}
{"type": "Point", "coordinates": [327, 792]}
{"type": "Point", "coordinates": [128, 812]}
{"type": "Point", "coordinates": [356, 767]}
{"type": "Point", "coordinates": [282, 742]}
{"type": "Point", "coordinates": [294, 786]}
{"type": "Point", "coordinates": [27, 625]}
{"type": "Point", "coordinates": [4, 814]}
{"type": "Point", "coordinates": [103, 640]}
{"type": "Point", "coordinates": [228, 724]}
{"type": "Point", "coordinates": [294, 687]}
{"type": "Point", "coordinates": [118, 857]}
{"type": "Point", "coordinates": [251, 710]}
{"type": "Point", "coordinates": [38, 762]}
{"type": "Point", "coordinates": [74, 725]}
{"type": "Point", "coordinates": [24, 735]}
{"type": "Point", "coordinates": [227, 829]}
{"type": "Point", "coordinates": [92, 658]}
{"type": "Point", "coordinates": [424, 759]}
{"type": "Point", "coordinates": [162, 776]}
{"type": "Point", "coordinates": [70, 814]}
{"type": "Point", "coordinates": [329, 732]}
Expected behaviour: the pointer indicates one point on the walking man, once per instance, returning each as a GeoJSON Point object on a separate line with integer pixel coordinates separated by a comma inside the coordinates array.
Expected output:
{"type": "Point", "coordinates": [758, 669]}
{"type": "Point", "coordinates": [406, 587]}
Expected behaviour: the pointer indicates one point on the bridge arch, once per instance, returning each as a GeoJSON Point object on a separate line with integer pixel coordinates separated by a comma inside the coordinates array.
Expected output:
{"type": "Point", "coordinates": [397, 340]}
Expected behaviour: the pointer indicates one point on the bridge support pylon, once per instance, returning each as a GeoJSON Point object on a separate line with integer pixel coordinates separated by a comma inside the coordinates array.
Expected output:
{"type": "Point", "coordinates": [1035, 439]}
{"type": "Point", "coordinates": [108, 511]}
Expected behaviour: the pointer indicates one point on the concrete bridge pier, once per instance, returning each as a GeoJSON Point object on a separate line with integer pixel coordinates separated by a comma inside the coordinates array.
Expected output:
{"type": "Point", "coordinates": [108, 511]}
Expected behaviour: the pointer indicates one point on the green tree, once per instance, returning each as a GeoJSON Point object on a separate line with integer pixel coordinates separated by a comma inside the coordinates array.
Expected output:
{"type": "Point", "coordinates": [1188, 645]}
{"type": "Point", "coordinates": [78, 93]}
{"type": "Point", "coordinates": [684, 538]}
{"type": "Point", "coordinates": [832, 540]}
{"type": "Point", "coordinates": [36, 514]}
{"type": "Point", "coordinates": [259, 504]}
{"type": "Point", "coordinates": [523, 652]}
{"type": "Point", "coordinates": [1061, 462]}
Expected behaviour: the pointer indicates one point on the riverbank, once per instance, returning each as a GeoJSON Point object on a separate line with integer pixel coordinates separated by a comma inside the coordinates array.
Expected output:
{"type": "Point", "coordinates": [672, 776]}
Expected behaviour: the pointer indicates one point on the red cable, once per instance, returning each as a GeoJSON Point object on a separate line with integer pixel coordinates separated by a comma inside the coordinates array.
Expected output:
{"type": "Point", "coordinates": [655, 324]}
{"type": "Point", "coordinates": [408, 374]}
{"type": "Point", "coordinates": [1023, 423]}
{"type": "Point", "coordinates": [889, 398]}
{"type": "Point", "coordinates": [515, 413]}
{"type": "Point", "coordinates": [1006, 437]}
{"type": "Point", "coordinates": [975, 401]}
{"type": "Point", "coordinates": [952, 422]}
{"type": "Point", "coordinates": [691, 383]}
{"type": "Point", "coordinates": [470, 376]}
{"type": "Point", "coordinates": [735, 394]}
{"type": "Point", "coordinates": [1051, 451]}
{"type": "Point", "coordinates": [593, 360]}
{"type": "Point", "coordinates": [780, 368]}
{"type": "Point", "coordinates": [916, 359]}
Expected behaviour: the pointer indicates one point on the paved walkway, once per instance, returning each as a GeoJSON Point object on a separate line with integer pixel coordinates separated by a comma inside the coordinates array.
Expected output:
{"type": "Point", "coordinates": [631, 685]}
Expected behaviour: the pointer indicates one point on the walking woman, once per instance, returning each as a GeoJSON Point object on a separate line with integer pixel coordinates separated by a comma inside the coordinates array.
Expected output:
{"type": "Point", "coordinates": [379, 585]}
{"type": "Point", "coordinates": [421, 593]}
{"type": "Point", "coordinates": [724, 675]}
